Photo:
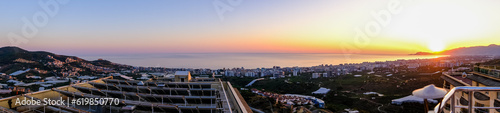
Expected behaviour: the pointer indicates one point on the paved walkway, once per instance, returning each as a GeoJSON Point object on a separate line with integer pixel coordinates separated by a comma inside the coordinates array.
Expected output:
{"type": "Point", "coordinates": [253, 81]}
{"type": "Point", "coordinates": [380, 105]}
{"type": "Point", "coordinates": [256, 110]}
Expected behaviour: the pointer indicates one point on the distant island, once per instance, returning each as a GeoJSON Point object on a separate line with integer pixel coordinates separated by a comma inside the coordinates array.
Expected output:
{"type": "Point", "coordinates": [492, 49]}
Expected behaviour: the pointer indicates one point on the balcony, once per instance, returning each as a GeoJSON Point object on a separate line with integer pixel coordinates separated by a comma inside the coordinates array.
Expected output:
{"type": "Point", "coordinates": [464, 101]}
{"type": "Point", "coordinates": [466, 104]}
{"type": "Point", "coordinates": [481, 96]}
{"type": "Point", "coordinates": [493, 71]}
{"type": "Point", "coordinates": [496, 104]}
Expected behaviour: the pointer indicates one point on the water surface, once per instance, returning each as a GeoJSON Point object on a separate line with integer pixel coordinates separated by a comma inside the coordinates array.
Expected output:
{"type": "Point", "coordinates": [246, 60]}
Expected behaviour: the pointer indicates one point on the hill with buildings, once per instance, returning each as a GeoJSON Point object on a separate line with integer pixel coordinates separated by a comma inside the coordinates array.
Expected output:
{"type": "Point", "coordinates": [492, 62]}
{"type": "Point", "coordinates": [13, 59]}
{"type": "Point", "coordinates": [10, 54]}
{"type": "Point", "coordinates": [492, 49]}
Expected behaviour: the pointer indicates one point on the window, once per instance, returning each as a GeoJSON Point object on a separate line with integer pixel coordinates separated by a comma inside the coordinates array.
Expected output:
{"type": "Point", "coordinates": [480, 110]}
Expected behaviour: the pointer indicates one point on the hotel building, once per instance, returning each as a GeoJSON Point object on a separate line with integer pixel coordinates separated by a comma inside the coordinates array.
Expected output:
{"type": "Point", "coordinates": [183, 94]}
{"type": "Point", "coordinates": [480, 92]}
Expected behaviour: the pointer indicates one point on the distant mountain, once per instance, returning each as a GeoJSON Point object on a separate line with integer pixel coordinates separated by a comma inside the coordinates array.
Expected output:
{"type": "Point", "coordinates": [104, 63]}
{"type": "Point", "coordinates": [11, 50]}
{"type": "Point", "coordinates": [492, 49]}
{"type": "Point", "coordinates": [15, 58]}
{"type": "Point", "coordinates": [9, 54]}
{"type": "Point", "coordinates": [492, 62]}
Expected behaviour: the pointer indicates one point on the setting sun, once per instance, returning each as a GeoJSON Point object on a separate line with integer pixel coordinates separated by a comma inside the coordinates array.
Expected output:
{"type": "Point", "coordinates": [436, 46]}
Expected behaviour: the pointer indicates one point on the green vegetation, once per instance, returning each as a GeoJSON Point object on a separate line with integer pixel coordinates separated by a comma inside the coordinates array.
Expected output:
{"type": "Point", "coordinates": [492, 62]}
{"type": "Point", "coordinates": [238, 82]}
{"type": "Point", "coordinates": [267, 105]}
{"type": "Point", "coordinates": [347, 90]}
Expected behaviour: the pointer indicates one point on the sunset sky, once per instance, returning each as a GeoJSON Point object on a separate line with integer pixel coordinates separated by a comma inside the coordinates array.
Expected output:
{"type": "Point", "coordinates": [278, 26]}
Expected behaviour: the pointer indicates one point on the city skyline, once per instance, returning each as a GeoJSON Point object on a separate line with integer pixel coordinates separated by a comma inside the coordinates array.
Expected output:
{"type": "Point", "coordinates": [136, 27]}
{"type": "Point", "coordinates": [246, 56]}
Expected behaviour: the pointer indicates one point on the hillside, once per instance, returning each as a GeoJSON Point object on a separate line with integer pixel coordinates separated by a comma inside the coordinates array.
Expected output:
{"type": "Point", "coordinates": [492, 49]}
{"type": "Point", "coordinates": [14, 59]}
{"type": "Point", "coordinates": [9, 54]}
{"type": "Point", "coordinates": [492, 62]}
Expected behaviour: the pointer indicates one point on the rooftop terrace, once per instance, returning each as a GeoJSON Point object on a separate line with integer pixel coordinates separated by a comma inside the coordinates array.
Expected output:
{"type": "Point", "coordinates": [214, 96]}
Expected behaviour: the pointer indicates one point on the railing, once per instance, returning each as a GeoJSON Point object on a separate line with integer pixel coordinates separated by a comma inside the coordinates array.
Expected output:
{"type": "Point", "coordinates": [225, 99]}
{"type": "Point", "coordinates": [493, 70]}
{"type": "Point", "coordinates": [474, 105]}
{"type": "Point", "coordinates": [240, 106]}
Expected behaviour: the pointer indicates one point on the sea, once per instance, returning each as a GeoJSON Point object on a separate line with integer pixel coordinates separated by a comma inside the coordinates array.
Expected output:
{"type": "Point", "coordinates": [246, 60]}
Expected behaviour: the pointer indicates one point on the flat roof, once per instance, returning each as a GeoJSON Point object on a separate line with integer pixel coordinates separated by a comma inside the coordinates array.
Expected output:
{"type": "Point", "coordinates": [457, 80]}
{"type": "Point", "coordinates": [452, 81]}
{"type": "Point", "coordinates": [197, 97]}
{"type": "Point", "coordinates": [182, 73]}
{"type": "Point", "coordinates": [484, 79]}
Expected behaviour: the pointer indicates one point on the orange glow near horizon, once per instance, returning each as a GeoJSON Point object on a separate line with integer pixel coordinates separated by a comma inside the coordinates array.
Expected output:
{"type": "Point", "coordinates": [270, 27]}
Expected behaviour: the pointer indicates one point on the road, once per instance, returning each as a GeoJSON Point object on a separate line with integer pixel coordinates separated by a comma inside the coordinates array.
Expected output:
{"type": "Point", "coordinates": [256, 110]}
{"type": "Point", "coordinates": [378, 108]}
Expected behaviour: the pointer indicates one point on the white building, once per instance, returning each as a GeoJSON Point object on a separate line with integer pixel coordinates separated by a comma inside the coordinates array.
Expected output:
{"type": "Point", "coordinates": [34, 77]}
{"type": "Point", "coordinates": [19, 72]}
{"type": "Point", "coordinates": [250, 74]}
{"type": "Point", "coordinates": [229, 73]}
{"type": "Point", "coordinates": [316, 75]}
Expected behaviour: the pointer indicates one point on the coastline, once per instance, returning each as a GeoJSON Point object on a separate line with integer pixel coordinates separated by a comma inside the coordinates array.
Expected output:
{"type": "Point", "coordinates": [249, 60]}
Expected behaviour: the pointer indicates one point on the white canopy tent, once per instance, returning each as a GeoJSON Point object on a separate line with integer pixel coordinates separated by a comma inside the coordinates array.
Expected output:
{"type": "Point", "coordinates": [429, 92]}
{"type": "Point", "coordinates": [411, 98]}
{"type": "Point", "coordinates": [321, 90]}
